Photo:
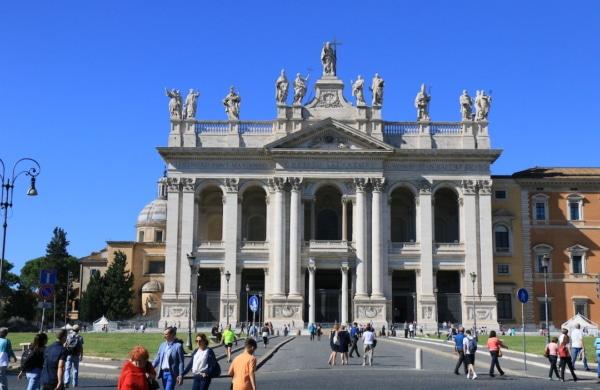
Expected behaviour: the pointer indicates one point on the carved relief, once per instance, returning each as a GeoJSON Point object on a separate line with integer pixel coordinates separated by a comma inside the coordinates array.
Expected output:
{"type": "Point", "coordinates": [427, 312]}
{"type": "Point", "coordinates": [296, 183]}
{"type": "Point", "coordinates": [378, 184]}
{"type": "Point", "coordinates": [424, 187]}
{"type": "Point", "coordinates": [361, 183]}
{"type": "Point", "coordinates": [177, 311]}
{"type": "Point", "coordinates": [188, 184]}
{"type": "Point", "coordinates": [277, 183]}
{"type": "Point", "coordinates": [369, 311]}
{"type": "Point", "coordinates": [231, 184]}
{"type": "Point", "coordinates": [482, 313]}
{"type": "Point", "coordinates": [328, 99]}
{"type": "Point", "coordinates": [285, 311]}
{"type": "Point", "coordinates": [485, 187]}
{"type": "Point", "coordinates": [469, 187]}
{"type": "Point", "coordinates": [173, 184]}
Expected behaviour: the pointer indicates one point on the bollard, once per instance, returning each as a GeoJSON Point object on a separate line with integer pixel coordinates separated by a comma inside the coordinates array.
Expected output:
{"type": "Point", "coordinates": [419, 359]}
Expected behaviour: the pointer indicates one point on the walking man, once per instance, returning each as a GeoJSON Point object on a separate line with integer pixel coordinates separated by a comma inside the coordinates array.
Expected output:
{"type": "Point", "coordinates": [74, 347]}
{"type": "Point", "coordinates": [354, 337]}
{"type": "Point", "coordinates": [368, 343]}
{"type": "Point", "coordinates": [228, 339]}
{"type": "Point", "coordinates": [54, 363]}
{"type": "Point", "coordinates": [6, 352]}
{"type": "Point", "coordinates": [458, 348]}
{"type": "Point", "coordinates": [405, 329]}
{"type": "Point", "coordinates": [577, 346]}
{"type": "Point", "coordinates": [169, 360]}
{"type": "Point", "coordinates": [312, 329]}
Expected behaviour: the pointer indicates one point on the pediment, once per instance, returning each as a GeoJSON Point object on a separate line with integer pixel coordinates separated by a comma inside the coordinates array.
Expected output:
{"type": "Point", "coordinates": [329, 135]}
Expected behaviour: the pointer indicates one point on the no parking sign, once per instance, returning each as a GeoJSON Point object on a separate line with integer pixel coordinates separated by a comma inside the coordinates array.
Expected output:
{"type": "Point", "coordinates": [46, 292]}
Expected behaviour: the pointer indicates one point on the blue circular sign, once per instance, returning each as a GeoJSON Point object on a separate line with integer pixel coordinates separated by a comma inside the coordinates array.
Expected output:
{"type": "Point", "coordinates": [253, 303]}
{"type": "Point", "coordinates": [46, 291]}
{"type": "Point", "coordinates": [523, 295]}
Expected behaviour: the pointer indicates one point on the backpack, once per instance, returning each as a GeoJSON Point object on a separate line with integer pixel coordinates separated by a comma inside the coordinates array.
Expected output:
{"type": "Point", "coordinates": [73, 344]}
{"type": "Point", "coordinates": [472, 345]}
{"type": "Point", "coordinates": [214, 369]}
{"type": "Point", "coordinates": [458, 341]}
{"type": "Point", "coordinates": [27, 361]}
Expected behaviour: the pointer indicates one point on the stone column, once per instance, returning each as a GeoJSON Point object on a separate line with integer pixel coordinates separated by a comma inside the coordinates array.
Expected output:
{"type": "Point", "coordinates": [488, 302]}
{"type": "Point", "coordinates": [426, 302]}
{"type": "Point", "coordinates": [278, 264]}
{"type": "Point", "coordinates": [230, 239]}
{"type": "Point", "coordinates": [470, 223]}
{"type": "Point", "coordinates": [311, 290]}
{"type": "Point", "coordinates": [344, 218]}
{"type": "Point", "coordinates": [313, 212]}
{"type": "Point", "coordinates": [344, 269]}
{"type": "Point", "coordinates": [296, 183]}
{"type": "Point", "coordinates": [187, 244]}
{"type": "Point", "coordinates": [360, 242]}
{"type": "Point", "coordinates": [376, 242]}
{"type": "Point", "coordinates": [172, 247]}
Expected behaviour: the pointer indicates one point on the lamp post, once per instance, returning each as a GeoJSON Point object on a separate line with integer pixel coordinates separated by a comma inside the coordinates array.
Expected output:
{"type": "Point", "coordinates": [191, 260]}
{"type": "Point", "coordinates": [247, 308]}
{"type": "Point", "coordinates": [473, 280]}
{"type": "Point", "coordinates": [545, 264]}
{"type": "Point", "coordinates": [6, 198]}
{"type": "Point", "coordinates": [227, 277]}
{"type": "Point", "coordinates": [437, 312]}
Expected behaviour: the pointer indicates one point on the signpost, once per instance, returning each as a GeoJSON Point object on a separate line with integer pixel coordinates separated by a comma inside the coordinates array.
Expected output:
{"type": "Point", "coordinates": [48, 276]}
{"type": "Point", "coordinates": [45, 292]}
{"type": "Point", "coordinates": [523, 297]}
{"type": "Point", "coordinates": [253, 305]}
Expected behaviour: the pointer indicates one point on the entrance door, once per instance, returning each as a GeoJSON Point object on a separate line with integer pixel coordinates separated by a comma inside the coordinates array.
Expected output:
{"type": "Point", "coordinates": [448, 297]}
{"type": "Point", "coordinates": [404, 293]}
{"type": "Point", "coordinates": [328, 296]}
{"type": "Point", "coordinates": [207, 299]}
{"type": "Point", "coordinates": [254, 279]}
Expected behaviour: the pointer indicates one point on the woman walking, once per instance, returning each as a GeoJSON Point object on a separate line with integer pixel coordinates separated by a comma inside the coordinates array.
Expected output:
{"type": "Point", "coordinates": [493, 345]}
{"type": "Point", "coordinates": [551, 353]}
{"type": "Point", "coordinates": [565, 358]}
{"type": "Point", "coordinates": [137, 372]}
{"type": "Point", "coordinates": [200, 362]}
{"type": "Point", "coordinates": [344, 341]}
{"type": "Point", "coordinates": [32, 361]}
{"type": "Point", "coordinates": [334, 344]}
{"type": "Point", "coordinates": [265, 334]}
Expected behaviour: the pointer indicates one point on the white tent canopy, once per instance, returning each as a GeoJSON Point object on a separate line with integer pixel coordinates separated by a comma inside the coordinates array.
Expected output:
{"type": "Point", "coordinates": [103, 324]}
{"type": "Point", "coordinates": [588, 327]}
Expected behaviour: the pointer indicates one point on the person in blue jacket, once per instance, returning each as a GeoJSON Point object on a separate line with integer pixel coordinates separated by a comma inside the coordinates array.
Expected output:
{"type": "Point", "coordinates": [169, 360]}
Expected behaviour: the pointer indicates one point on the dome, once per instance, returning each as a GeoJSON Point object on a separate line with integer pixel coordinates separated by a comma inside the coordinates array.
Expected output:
{"type": "Point", "coordinates": [152, 286]}
{"type": "Point", "coordinates": [155, 213]}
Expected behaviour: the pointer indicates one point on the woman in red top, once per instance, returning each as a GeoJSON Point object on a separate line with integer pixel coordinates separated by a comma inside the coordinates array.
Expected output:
{"type": "Point", "coordinates": [493, 345]}
{"type": "Point", "coordinates": [137, 371]}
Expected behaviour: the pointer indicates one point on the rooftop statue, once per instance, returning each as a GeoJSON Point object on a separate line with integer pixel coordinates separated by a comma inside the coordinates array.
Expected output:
{"type": "Point", "coordinates": [466, 106]}
{"type": "Point", "coordinates": [377, 90]}
{"type": "Point", "coordinates": [299, 88]}
{"type": "Point", "coordinates": [174, 103]}
{"type": "Point", "coordinates": [232, 105]}
{"type": "Point", "coordinates": [422, 105]}
{"type": "Point", "coordinates": [482, 103]}
{"type": "Point", "coordinates": [328, 59]}
{"type": "Point", "coordinates": [357, 90]}
{"type": "Point", "coordinates": [191, 102]}
{"type": "Point", "coordinates": [281, 88]}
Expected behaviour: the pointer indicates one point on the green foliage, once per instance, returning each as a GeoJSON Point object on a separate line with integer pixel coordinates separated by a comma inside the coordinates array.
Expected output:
{"type": "Point", "coordinates": [92, 305]}
{"type": "Point", "coordinates": [9, 280]}
{"type": "Point", "coordinates": [17, 301]}
{"type": "Point", "coordinates": [118, 292]}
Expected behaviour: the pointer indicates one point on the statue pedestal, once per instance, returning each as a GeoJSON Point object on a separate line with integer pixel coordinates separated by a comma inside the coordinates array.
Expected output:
{"type": "Point", "coordinates": [175, 137]}
{"type": "Point", "coordinates": [189, 135]}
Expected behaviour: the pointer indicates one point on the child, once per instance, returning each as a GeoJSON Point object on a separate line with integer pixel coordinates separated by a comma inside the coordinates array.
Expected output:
{"type": "Point", "coordinates": [243, 368]}
{"type": "Point", "coordinates": [551, 353]}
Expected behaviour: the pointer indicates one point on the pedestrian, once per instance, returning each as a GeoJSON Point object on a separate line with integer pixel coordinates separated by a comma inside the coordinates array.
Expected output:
{"type": "Point", "coordinates": [344, 343]}
{"type": "Point", "coordinates": [243, 368]}
{"type": "Point", "coordinates": [243, 327]}
{"type": "Point", "coordinates": [565, 358]}
{"type": "Point", "coordinates": [469, 346]}
{"type": "Point", "coordinates": [53, 369]}
{"type": "Point", "coordinates": [405, 329]}
{"type": "Point", "coordinates": [334, 345]}
{"type": "Point", "coordinates": [354, 336]}
{"type": "Point", "coordinates": [286, 330]}
{"type": "Point", "coordinates": [228, 339]}
{"type": "Point", "coordinates": [494, 345]}
{"type": "Point", "coordinates": [319, 332]}
{"type": "Point", "coordinates": [265, 334]}
{"type": "Point", "coordinates": [32, 361]}
{"type": "Point", "coordinates": [577, 346]}
{"type": "Point", "coordinates": [203, 364]}
{"type": "Point", "coordinates": [169, 360]}
{"type": "Point", "coordinates": [312, 330]}
{"type": "Point", "coordinates": [459, 349]}
{"type": "Point", "coordinates": [597, 347]}
{"type": "Point", "coordinates": [411, 330]}
{"type": "Point", "coordinates": [383, 334]}
{"type": "Point", "coordinates": [551, 353]}
{"type": "Point", "coordinates": [6, 352]}
{"type": "Point", "coordinates": [74, 348]}
{"type": "Point", "coordinates": [137, 372]}
{"type": "Point", "coordinates": [369, 342]}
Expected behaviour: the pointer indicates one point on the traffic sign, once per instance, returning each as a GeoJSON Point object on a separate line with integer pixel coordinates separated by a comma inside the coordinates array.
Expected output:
{"type": "Point", "coordinates": [44, 305]}
{"type": "Point", "coordinates": [48, 276]}
{"type": "Point", "coordinates": [523, 295]}
{"type": "Point", "coordinates": [253, 303]}
{"type": "Point", "coordinates": [46, 292]}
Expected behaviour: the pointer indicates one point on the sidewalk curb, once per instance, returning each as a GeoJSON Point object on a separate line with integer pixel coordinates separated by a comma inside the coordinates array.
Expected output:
{"type": "Point", "coordinates": [272, 352]}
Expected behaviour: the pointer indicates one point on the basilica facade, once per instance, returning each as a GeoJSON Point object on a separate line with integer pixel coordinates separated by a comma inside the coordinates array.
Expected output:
{"type": "Point", "coordinates": [329, 213]}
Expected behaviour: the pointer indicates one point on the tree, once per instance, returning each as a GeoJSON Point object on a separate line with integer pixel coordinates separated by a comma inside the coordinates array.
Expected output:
{"type": "Point", "coordinates": [92, 305]}
{"type": "Point", "coordinates": [58, 258]}
{"type": "Point", "coordinates": [17, 301]}
{"type": "Point", "coordinates": [9, 280]}
{"type": "Point", "coordinates": [118, 292]}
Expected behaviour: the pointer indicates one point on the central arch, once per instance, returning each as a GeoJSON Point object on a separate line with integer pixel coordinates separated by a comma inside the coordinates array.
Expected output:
{"type": "Point", "coordinates": [328, 200]}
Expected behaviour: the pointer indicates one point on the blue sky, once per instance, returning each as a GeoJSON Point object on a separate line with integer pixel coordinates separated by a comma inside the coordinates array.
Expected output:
{"type": "Point", "coordinates": [82, 86]}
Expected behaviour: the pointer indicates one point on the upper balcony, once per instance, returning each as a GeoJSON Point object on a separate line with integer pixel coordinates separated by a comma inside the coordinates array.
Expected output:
{"type": "Point", "coordinates": [449, 248]}
{"type": "Point", "coordinates": [404, 248]}
{"type": "Point", "coordinates": [328, 246]}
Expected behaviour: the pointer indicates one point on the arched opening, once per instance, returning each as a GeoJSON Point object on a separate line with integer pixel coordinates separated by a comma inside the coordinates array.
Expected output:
{"type": "Point", "coordinates": [208, 296]}
{"type": "Point", "coordinates": [449, 303]}
{"type": "Point", "coordinates": [403, 216]}
{"type": "Point", "coordinates": [328, 212]}
{"type": "Point", "coordinates": [446, 216]}
{"type": "Point", "coordinates": [254, 215]}
{"type": "Point", "coordinates": [210, 214]}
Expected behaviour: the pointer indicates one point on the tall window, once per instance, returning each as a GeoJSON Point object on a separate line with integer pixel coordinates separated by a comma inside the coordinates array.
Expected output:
{"type": "Point", "coordinates": [575, 203]}
{"type": "Point", "coordinates": [158, 236]}
{"type": "Point", "coordinates": [540, 211]}
{"type": "Point", "coordinates": [542, 309]}
{"type": "Point", "coordinates": [577, 264]}
{"type": "Point", "coordinates": [141, 236]}
{"type": "Point", "coordinates": [539, 252]}
{"type": "Point", "coordinates": [504, 306]}
{"type": "Point", "coordinates": [577, 253]}
{"type": "Point", "coordinates": [501, 235]}
{"type": "Point", "coordinates": [581, 307]}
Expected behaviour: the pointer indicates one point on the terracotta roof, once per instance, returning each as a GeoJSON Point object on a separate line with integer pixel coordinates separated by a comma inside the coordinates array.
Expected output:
{"type": "Point", "coordinates": [559, 172]}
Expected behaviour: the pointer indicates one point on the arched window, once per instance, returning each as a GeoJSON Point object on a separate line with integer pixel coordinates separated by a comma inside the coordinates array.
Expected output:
{"type": "Point", "coordinates": [403, 218]}
{"type": "Point", "coordinates": [254, 214]}
{"type": "Point", "coordinates": [210, 216]}
{"type": "Point", "coordinates": [501, 239]}
{"type": "Point", "coordinates": [446, 216]}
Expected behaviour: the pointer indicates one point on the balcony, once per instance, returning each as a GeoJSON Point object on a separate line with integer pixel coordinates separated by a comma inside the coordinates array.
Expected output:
{"type": "Point", "coordinates": [210, 246]}
{"type": "Point", "coordinates": [254, 246]}
{"type": "Point", "coordinates": [404, 248]}
{"type": "Point", "coordinates": [448, 248]}
{"type": "Point", "coordinates": [328, 246]}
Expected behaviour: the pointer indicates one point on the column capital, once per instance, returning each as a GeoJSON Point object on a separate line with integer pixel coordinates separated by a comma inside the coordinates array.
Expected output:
{"type": "Point", "coordinates": [173, 184]}
{"type": "Point", "coordinates": [424, 187]}
{"type": "Point", "coordinates": [469, 187]}
{"type": "Point", "coordinates": [360, 184]}
{"type": "Point", "coordinates": [485, 187]}
{"type": "Point", "coordinates": [188, 184]}
{"type": "Point", "coordinates": [231, 184]}
{"type": "Point", "coordinates": [312, 267]}
{"type": "Point", "coordinates": [295, 183]}
{"type": "Point", "coordinates": [378, 184]}
{"type": "Point", "coordinates": [344, 267]}
{"type": "Point", "coordinates": [277, 183]}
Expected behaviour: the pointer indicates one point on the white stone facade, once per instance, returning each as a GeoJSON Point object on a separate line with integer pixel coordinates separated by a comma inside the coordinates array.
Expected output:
{"type": "Point", "coordinates": [335, 179]}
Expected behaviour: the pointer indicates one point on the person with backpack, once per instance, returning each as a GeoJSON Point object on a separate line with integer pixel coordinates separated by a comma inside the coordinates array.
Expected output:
{"type": "Point", "coordinates": [137, 372]}
{"type": "Point", "coordinates": [469, 351]}
{"type": "Point", "coordinates": [203, 364]}
{"type": "Point", "coordinates": [459, 350]}
{"type": "Point", "coordinates": [494, 344]}
{"type": "Point", "coordinates": [312, 330]}
{"type": "Point", "coordinates": [551, 352]}
{"type": "Point", "coordinates": [74, 346]}
{"type": "Point", "coordinates": [565, 358]}
{"type": "Point", "coordinates": [32, 361]}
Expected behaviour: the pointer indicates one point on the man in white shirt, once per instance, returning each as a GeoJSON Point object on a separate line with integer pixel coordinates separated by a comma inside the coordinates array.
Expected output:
{"type": "Point", "coordinates": [368, 344]}
{"type": "Point", "coordinates": [577, 346]}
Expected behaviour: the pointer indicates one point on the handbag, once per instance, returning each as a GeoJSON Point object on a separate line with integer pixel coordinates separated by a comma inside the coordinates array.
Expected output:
{"type": "Point", "coordinates": [499, 353]}
{"type": "Point", "coordinates": [153, 384]}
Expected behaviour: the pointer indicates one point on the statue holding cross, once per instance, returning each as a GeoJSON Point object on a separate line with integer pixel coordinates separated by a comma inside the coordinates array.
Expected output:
{"type": "Point", "coordinates": [329, 58]}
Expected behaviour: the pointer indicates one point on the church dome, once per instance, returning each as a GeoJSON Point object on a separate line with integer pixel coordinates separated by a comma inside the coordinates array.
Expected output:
{"type": "Point", "coordinates": [152, 286]}
{"type": "Point", "coordinates": [155, 212]}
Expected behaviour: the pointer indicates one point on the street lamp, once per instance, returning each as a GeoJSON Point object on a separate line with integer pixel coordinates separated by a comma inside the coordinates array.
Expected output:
{"type": "Point", "coordinates": [227, 277]}
{"type": "Point", "coordinates": [545, 264]}
{"type": "Point", "coordinates": [437, 312]}
{"type": "Point", "coordinates": [247, 308]}
{"type": "Point", "coordinates": [473, 280]}
{"type": "Point", "coordinates": [8, 186]}
{"type": "Point", "coordinates": [191, 260]}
